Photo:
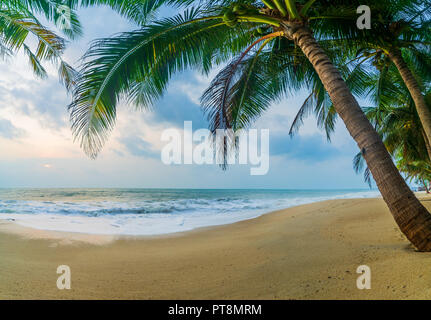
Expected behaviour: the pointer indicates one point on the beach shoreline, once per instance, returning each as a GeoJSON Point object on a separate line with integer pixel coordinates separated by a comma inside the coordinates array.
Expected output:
{"type": "Point", "coordinates": [13, 227]}
{"type": "Point", "coordinates": [310, 251]}
{"type": "Point", "coordinates": [145, 212]}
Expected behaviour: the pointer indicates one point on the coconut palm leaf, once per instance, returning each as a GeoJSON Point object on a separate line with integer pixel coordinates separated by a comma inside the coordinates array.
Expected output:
{"type": "Point", "coordinates": [17, 24]}
{"type": "Point", "coordinates": [140, 64]}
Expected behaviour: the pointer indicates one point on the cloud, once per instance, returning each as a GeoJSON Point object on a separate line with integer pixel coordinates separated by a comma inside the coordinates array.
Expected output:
{"type": "Point", "coordinates": [44, 100]}
{"type": "Point", "coordinates": [131, 157]}
{"type": "Point", "coordinates": [49, 105]}
{"type": "Point", "coordinates": [139, 147]}
{"type": "Point", "coordinates": [9, 131]}
{"type": "Point", "coordinates": [309, 148]}
{"type": "Point", "coordinates": [178, 105]}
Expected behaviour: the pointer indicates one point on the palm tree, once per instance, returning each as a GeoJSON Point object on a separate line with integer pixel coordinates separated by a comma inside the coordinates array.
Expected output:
{"type": "Point", "coordinates": [19, 23]}
{"type": "Point", "coordinates": [407, 37]}
{"type": "Point", "coordinates": [394, 115]}
{"type": "Point", "coordinates": [417, 171]}
{"type": "Point", "coordinates": [139, 64]}
{"type": "Point", "coordinates": [398, 123]}
{"type": "Point", "coordinates": [400, 35]}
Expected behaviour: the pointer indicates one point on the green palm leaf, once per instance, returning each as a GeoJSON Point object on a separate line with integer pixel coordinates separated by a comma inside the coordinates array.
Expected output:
{"type": "Point", "coordinates": [140, 64]}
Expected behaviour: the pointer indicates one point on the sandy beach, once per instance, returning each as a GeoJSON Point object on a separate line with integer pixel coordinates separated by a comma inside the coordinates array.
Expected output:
{"type": "Point", "coordinates": [306, 252]}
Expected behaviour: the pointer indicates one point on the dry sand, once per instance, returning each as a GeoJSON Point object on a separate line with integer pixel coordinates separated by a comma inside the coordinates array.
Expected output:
{"type": "Point", "coordinates": [307, 252]}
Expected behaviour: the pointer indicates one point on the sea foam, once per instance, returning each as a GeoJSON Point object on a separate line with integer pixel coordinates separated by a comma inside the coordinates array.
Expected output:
{"type": "Point", "coordinates": [150, 211]}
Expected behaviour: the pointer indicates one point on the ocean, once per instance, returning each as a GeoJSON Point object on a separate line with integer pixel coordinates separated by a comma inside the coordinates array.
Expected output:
{"type": "Point", "coordinates": [150, 211]}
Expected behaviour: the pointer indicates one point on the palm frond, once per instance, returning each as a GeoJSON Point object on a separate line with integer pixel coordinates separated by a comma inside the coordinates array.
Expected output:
{"type": "Point", "coordinates": [37, 67]}
{"type": "Point", "coordinates": [140, 63]}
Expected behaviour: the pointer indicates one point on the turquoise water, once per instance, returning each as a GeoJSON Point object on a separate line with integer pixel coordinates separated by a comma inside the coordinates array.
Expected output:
{"type": "Point", "coordinates": [150, 211]}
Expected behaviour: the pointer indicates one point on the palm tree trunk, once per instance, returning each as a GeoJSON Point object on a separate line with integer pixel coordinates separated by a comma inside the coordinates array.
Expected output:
{"type": "Point", "coordinates": [411, 216]}
{"type": "Point", "coordinates": [415, 91]}
{"type": "Point", "coordinates": [425, 184]}
{"type": "Point", "coordinates": [427, 144]}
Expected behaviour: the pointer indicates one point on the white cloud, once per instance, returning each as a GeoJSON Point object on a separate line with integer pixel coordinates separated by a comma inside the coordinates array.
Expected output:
{"type": "Point", "coordinates": [47, 156]}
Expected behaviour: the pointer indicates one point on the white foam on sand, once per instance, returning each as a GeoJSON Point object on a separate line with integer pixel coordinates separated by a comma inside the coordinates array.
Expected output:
{"type": "Point", "coordinates": [126, 222]}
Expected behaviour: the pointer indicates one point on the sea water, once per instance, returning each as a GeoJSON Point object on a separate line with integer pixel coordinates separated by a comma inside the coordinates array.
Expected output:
{"type": "Point", "coordinates": [150, 211]}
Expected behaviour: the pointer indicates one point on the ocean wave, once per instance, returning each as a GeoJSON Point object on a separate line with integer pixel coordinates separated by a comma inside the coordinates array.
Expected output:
{"type": "Point", "coordinates": [95, 209]}
{"type": "Point", "coordinates": [152, 212]}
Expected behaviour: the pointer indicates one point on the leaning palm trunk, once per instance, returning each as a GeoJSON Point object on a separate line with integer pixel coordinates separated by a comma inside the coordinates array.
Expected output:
{"type": "Point", "coordinates": [411, 216]}
{"type": "Point", "coordinates": [427, 144]}
{"type": "Point", "coordinates": [413, 86]}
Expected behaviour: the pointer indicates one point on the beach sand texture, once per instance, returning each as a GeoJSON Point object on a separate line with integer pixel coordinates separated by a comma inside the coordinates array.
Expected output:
{"type": "Point", "coordinates": [306, 252]}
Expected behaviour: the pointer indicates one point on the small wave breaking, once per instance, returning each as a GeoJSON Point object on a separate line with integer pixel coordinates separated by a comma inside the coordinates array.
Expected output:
{"type": "Point", "coordinates": [150, 212]}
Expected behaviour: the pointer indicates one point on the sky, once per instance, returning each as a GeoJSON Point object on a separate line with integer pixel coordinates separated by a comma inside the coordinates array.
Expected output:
{"type": "Point", "coordinates": [37, 148]}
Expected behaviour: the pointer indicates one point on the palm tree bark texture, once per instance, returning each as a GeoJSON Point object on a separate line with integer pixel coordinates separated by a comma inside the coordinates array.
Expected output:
{"type": "Point", "coordinates": [411, 216]}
